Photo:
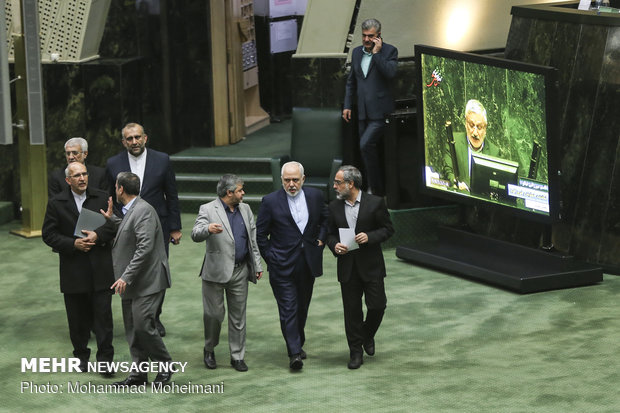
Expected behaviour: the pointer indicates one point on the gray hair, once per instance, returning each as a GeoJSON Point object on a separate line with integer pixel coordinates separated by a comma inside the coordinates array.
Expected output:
{"type": "Point", "coordinates": [227, 183]}
{"type": "Point", "coordinates": [352, 174]}
{"type": "Point", "coordinates": [300, 166]}
{"type": "Point", "coordinates": [475, 106]}
{"type": "Point", "coordinates": [129, 181]}
{"type": "Point", "coordinates": [67, 168]}
{"type": "Point", "coordinates": [81, 142]}
{"type": "Point", "coordinates": [371, 24]}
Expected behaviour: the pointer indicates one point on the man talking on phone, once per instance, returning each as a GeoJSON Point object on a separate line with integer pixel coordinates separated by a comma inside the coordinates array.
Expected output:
{"type": "Point", "coordinates": [373, 65]}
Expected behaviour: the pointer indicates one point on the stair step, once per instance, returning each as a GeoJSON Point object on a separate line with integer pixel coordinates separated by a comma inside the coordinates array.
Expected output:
{"type": "Point", "coordinates": [253, 184]}
{"type": "Point", "coordinates": [190, 202]}
{"type": "Point", "coordinates": [219, 165]}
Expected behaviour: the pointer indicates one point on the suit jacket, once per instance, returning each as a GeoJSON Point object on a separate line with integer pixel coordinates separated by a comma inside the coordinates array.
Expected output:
{"type": "Point", "coordinates": [219, 260]}
{"type": "Point", "coordinates": [373, 219]}
{"type": "Point", "coordinates": [80, 272]}
{"type": "Point", "coordinates": [279, 240]}
{"type": "Point", "coordinates": [461, 147]}
{"type": "Point", "coordinates": [138, 251]}
{"type": "Point", "coordinates": [96, 179]}
{"type": "Point", "coordinates": [158, 188]}
{"type": "Point", "coordinates": [374, 95]}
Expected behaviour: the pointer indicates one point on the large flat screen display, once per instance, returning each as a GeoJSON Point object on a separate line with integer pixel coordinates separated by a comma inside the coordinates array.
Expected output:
{"type": "Point", "coordinates": [488, 130]}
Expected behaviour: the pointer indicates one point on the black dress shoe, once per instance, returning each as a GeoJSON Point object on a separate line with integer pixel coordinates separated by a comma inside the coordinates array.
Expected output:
{"type": "Point", "coordinates": [105, 373]}
{"type": "Point", "coordinates": [369, 347]}
{"type": "Point", "coordinates": [130, 381]}
{"type": "Point", "coordinates": [239, 365]}
{"type": "Point", "coordinates": [295, 362]}
{"type": "Point", "coordinates": [210, 359]}
{"type": "Point", "coordinates": [84, 366]}
{"type": "Point", "coordinates": [356, 361]}
{"type": "Point", "coordinates": [303, 354]}
{"type": "Point", "coordinates": [163, 377]}
{"type": "Point", "coordinates": [160, 328]}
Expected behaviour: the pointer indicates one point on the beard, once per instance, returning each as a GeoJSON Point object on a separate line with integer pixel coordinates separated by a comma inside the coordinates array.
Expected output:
{"type": "Point", "coordinates": [293, 194]}
{"type": "Point", "coordinates": [342, 195]}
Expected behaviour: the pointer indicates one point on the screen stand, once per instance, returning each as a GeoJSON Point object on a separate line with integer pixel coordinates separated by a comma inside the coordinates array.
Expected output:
{"type": "Point", "coordinates": [547, 242]}
{"type": "Point", "coordinates": [507, 265]}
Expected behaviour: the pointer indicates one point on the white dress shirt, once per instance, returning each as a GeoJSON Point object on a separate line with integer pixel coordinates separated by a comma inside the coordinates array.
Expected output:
{"type": "Point", "coordinates": [299, 209]}
{"type": "Point", "coordinates": [79, 199]}
{"type": "Point", "coordinates": [137, 164]}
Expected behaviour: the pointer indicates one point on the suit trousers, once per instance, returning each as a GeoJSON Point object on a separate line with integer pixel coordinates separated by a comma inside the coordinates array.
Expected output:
{"type": "Point", "coordinates": [86, 312]}
{"type": "Point", "coordinates": [166, 232]}
{"type": "Point", "coordinates": [236, 290]}
{"type": "Point", "coordinates": [356, 328]}
{"type": "Point", "coordinates": [371, 132]}
{"type": "Point", "coordinates": [144, 340]}
{"type": "Point", "coordinates": [293, 295]}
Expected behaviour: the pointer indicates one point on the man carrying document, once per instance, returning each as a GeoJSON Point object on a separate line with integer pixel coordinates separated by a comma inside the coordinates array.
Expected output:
{"type": "Point", "coordinates": [86, 271]}
{"type": "Point", "coordinates": [358, 224]}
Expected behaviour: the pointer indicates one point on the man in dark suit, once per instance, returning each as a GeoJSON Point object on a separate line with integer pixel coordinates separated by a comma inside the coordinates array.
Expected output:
{"type": "Point", "coordinates": [142, 275]}
{"type": "Point", "coordinates": [373, 66]}
{"type": "Point", "coordinates": [158, 184]}
{"type": "Point", "coordinates": [473, 141]}
{"type": "Point", "coordinates": [76, 150]}
{"type": "Point", "coordinates": [85, 264]}
{"type": "Point", "coordinates": [290, 230]}
{"type": "Point", "coordinates": [361, 268]}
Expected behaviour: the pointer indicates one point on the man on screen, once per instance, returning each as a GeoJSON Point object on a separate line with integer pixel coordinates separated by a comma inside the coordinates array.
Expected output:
{"type": "Point", "coordinates": [474, 141]}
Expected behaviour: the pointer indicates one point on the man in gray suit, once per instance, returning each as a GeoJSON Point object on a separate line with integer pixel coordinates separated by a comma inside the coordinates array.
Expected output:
{"type": "Point", "coordinates": [231, 259]}
{"type": "Point", "coordinates": [142, 275]}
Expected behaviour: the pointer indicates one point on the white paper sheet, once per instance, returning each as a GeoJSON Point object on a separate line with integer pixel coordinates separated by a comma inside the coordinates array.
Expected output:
{"type": "Point", "coordinates": [347, 237]}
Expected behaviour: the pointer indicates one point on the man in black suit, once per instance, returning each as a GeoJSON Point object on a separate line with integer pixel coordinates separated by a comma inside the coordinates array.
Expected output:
{"type": "Point", "coordinates": [76, 150]}
{"type": "Point", "coordinates": [290, 230]}
{"type": "Point", "coordinates": [361, 268]}
{"type": "Point", "coordinates": [86, 271]}
{"type": "Point", "coordinates": [373, 66]}
{"type": "Point", "coordinates": [158, 184]}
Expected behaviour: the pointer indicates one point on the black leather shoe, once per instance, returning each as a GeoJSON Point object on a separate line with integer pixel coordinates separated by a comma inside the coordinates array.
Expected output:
{"type": "Point", "coordinates": [369, 347]}
{"type": "Point", "coordinates": [130, 381]}
{"type": "Point", "coordinates": [356, 361]}
{"type": "Point", "coordinates": [163, 377]}
{"type": "Point", "coordinates": [295, 362]}
{"type": "Point", "coordinates": [239, 365]}
{"type": "Point", "coordinates": [105, 373]}
{"type": "Point", "coordinates": [303, 354]}
{"type": "Point", "coordinates": [84, 366]}
{"type": "Point", "coordinates": [210, 359]}
{"type": "Point", "coordinates": [160, 328]}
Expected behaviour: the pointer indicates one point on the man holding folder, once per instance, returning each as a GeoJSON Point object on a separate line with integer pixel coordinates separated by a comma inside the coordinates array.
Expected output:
{"type": "Point", "coordinates": [86, 271]}
{"type": "Point", "coordinates": [358, 224]}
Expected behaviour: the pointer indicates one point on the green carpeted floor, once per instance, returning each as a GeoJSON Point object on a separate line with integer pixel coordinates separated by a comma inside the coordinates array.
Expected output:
{"type": "Point", "coordinates": [446, 345]}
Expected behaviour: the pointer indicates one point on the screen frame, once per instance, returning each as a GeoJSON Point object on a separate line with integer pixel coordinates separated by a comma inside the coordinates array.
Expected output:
{"type": "Point", "coordinates": [550, 75]}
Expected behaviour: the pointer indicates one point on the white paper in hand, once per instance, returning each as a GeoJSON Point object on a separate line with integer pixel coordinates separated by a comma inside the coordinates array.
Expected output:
{"type": "Point", "coordinates": [347, 237]}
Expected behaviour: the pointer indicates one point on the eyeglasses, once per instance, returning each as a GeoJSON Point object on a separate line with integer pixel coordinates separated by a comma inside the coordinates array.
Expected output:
{"type": "Point", "coordinates": [287, 180]}
{"type": "Point", "coordinates": [76, 176]}
{"type": "Point", "coordinates": [338, 183]}
{"type": "Point", "coordinates": [74, 153]}
{"type": "Point", "coordinates": [131, 138]}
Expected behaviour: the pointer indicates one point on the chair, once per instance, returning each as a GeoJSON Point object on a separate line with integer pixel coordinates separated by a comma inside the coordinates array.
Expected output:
{"type": "Point", "coordinates": [316, 142]}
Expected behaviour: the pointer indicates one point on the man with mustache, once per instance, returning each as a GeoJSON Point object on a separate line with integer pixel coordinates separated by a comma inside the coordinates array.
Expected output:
{"type": "Point", "coordinates": [157, 184]}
